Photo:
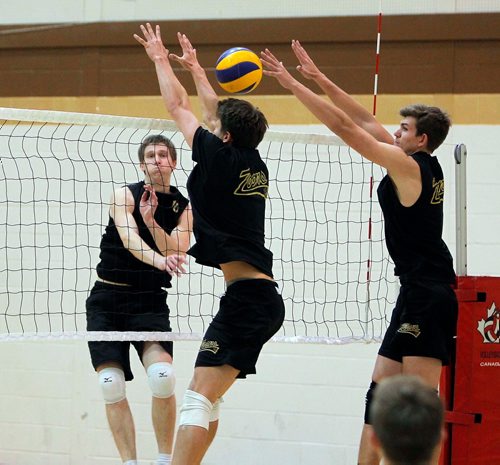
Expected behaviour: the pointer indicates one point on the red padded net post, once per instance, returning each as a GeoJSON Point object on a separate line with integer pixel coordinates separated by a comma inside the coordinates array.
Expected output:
{"type": "Point", "coordinates": [471, 386]}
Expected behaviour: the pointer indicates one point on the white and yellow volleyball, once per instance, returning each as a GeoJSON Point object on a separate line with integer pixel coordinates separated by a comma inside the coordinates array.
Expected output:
{"type": "Point", "coordinates": [238, 70]}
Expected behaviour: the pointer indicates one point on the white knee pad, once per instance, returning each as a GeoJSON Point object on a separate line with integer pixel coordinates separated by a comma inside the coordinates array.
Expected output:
{"type": "Point", "coordinates": [215, 413]}
{"type": "Point", "coordinates": [112, 382]}
{"type": "Point", "coordinates": [161, 379]}
{"type": "Point", "coordinates": [195, 410]}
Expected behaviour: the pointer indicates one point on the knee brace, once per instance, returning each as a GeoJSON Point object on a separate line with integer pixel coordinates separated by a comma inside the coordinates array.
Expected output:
{"type": "Point", "coordinates": [215, 413]}
{"type": "Point", "coordinates": [368, 402]}
{"type": "Point", "coordinates": [112, 382]}
{"type": "Point", "coordinates": [161, 379]}
{"type": "Point", "coordinates": [195, 410]}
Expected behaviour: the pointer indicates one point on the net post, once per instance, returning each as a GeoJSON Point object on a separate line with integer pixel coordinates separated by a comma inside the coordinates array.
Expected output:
{"type": "Point", "coordinates": [448, 375]}
{"type": "Point", "coordinates": [461, 208]}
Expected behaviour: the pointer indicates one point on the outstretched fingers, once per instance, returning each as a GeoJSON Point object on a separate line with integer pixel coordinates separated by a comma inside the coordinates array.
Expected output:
{"type": "Point", "coordinates": [158, 32]}
{"type": "Point", "coordinates": [185, 43]}
{"type": "Point", "coordinates": [188, 59]}
{"type": "Point", "coordinates": [140, 40]}
{"type": "Point", "coordinates": [307, 67]}
{"type": "Point", "coordinates": [149, 34]}
{"type": "Point", "coordinates": [151, 41]}
{"type": "Point", "coordinates": [300, 52]}
{"type": "Point", "coordinates": [271, 63]}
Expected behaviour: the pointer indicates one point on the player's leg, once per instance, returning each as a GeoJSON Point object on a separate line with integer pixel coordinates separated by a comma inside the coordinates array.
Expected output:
{"type": "Point", "coordinates": [429, 370]}
{"type": "Point", "coordinates": [384, 367]}
{"type": "Point", "coordinates": [118, 413]}
{"type": "Point", "coordinates": [420, 335]}
{"type": "Point", "coordinates": [387, 364]}
{"type": "Point", "coordinates": [158, 364]}
{"type": "Point", "coordinates": [194, 434]}
{"type": "Point", "coordinates": [111, 362]}
{"type": "Point", "coordinates": [151, 313]}
{"type": "Point", "coordinates": [213, 425]}
{"type": "Point", "coordinates": [426, 368]}
{"type": "Point", "coordinates": [437, 330]}
{"type": "Point", "coordinates": [250, 312]}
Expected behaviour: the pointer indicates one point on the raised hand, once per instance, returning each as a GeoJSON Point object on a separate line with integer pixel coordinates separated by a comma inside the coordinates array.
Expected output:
{"type": "Point", "coordinates": [148, 204]}
{"type": "Point", "coordinates": [274, 68]}
{"type": "Point", "coordinates": [188, 60]}
{"type": "Point", "coordinates": [307, 67]}
{"type": "Point", "coordinates": [152, 42]}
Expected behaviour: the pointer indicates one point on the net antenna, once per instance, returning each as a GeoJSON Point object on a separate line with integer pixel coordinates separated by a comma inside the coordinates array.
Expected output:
{"type": "Point", "coordinates": [374, 112]}
{"type": "Point", "coordinates": [58, 171]}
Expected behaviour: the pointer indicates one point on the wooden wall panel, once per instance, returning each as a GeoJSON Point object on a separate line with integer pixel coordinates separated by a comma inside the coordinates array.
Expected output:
{"type": "Point", "coordinates": [428, 54]}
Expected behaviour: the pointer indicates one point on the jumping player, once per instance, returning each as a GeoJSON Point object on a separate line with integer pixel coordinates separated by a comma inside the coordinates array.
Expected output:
{"type": "Point", "coordinates": [228, 190]}
{"type": "Point", "coordinates": [420, 335]}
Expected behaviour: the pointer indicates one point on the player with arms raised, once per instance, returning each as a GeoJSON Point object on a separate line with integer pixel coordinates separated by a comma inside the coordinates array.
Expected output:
{"type": "Point", "coordinates": [228, 190]}
{"type": "Point", "coordinates": [419, 338]}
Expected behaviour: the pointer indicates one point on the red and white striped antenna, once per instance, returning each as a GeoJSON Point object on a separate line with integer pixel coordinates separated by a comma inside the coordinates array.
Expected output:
{"type": "Point", "coordinates": [377, 59]}
{"type": "Point", "coordinates": [374, 112]}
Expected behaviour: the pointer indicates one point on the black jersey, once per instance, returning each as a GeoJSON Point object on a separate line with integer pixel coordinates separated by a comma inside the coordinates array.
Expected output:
{"type": "Point", "coordinates": [228, 190]}
{"type": "Point", "coordinates": [118, 264]}
{"type": "Point", "coordinates": [414, 234]}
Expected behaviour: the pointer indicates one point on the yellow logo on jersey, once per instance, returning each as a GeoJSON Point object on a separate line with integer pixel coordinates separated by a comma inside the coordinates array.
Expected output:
{"type": "Point", "coordinates": [175, 206]}
{"type": "Point", "coordinates": [252, 184]}
{"type": "Point", "coordinates": [438, 195]}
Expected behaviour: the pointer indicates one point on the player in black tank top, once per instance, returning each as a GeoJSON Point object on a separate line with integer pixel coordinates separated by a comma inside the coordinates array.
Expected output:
{"type": "Point", "coordinates": [228, 189]}
{"type": "Point", "coordinates": [146, 238]}
{"type": "Point", "coordinates": [413, 234]}
{"type": "Point", "coordinates": [419, 338]}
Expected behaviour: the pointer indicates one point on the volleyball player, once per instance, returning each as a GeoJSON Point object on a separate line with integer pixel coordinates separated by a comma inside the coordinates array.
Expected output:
{"type": "Point", "coordinates": [228, 189]}
{"type": "Point", "coordinates": [408, 421]}
{"type": "Point", "coordinates": [147, 234]}
{"type": "Point", "coordinates": [419, 338]}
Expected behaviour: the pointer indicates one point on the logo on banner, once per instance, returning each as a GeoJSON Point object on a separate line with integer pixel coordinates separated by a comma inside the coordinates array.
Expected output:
{"type": "Point", "coordinates": [490, 326]}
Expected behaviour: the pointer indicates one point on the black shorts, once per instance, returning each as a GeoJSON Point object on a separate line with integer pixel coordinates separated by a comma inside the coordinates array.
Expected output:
{"type": "Point", "coordinates": [122, 308]}
{"type": "Point", "coordinates": [423, 323]}
{"type": "Point", "coordinates": [250, 313]}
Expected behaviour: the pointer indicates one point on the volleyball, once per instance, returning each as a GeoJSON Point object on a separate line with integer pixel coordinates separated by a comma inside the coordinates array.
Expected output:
{"type": "Point", "coordinates": [238, 70]}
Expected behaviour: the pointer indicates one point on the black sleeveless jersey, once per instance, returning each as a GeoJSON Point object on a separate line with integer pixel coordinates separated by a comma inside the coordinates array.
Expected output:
{"type": "Point", "coordinates": [118, 264]}
{"type": "Point", "coordinates": [414, 234]}
{"type": "Point", "coordinates": [228, 191]}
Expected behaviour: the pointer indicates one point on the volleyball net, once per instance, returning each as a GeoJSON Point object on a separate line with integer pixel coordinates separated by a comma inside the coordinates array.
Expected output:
{"type": "Point", "coordinates": [323, 225]}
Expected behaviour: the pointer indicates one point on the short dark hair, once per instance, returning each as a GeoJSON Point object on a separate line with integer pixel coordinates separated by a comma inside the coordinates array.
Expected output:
{"type": "Point", "coordinates": [407, 418]}
{"type": "Point", "coordinates": [246, 123]}
{"type": "Point", "coordinates": [156, 139]}
{"type": "Point", "coordinates": [431, 121]}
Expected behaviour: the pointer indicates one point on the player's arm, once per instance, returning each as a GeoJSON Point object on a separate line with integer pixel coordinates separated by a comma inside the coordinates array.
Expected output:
{"type": "Point", "coordinates": [174, 95]}
{"type": "Point", "coordinates": [359, 114]}
{"type": "Point", "coordinates": [121, 210]}
{"type": "Point", "coordinates": [175, 243]}
{"type": "Point", "coordinates": [181, 235]}
{"type": "Point", "coordinates": [206, 94]}
{"type": "Point", "coordinates": [402, 169]}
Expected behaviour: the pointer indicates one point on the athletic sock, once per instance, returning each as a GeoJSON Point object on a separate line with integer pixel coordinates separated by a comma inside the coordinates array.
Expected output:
{"type": "Point", "coordinates": [130, 462]}
{"type": "Point", "coordinates": [164, 459]}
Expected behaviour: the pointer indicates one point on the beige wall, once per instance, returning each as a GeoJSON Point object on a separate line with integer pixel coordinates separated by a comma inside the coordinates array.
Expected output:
{"type": "Point", "coordinates": [282, 109]}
